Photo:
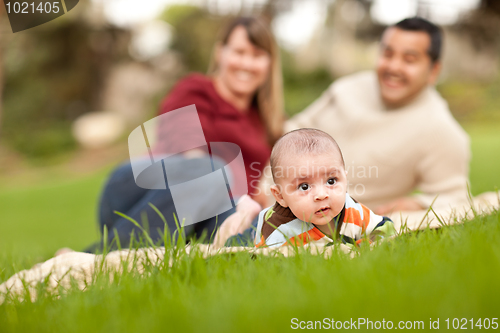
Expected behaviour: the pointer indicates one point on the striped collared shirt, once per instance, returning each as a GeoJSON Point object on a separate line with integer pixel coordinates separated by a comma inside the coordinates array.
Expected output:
{"type": "Point", "coordinates": [278, 226]}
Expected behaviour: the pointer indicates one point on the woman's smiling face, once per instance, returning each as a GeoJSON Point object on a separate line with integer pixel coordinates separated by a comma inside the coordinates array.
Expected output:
{"type": "Point", "coordinates": [243, 67]}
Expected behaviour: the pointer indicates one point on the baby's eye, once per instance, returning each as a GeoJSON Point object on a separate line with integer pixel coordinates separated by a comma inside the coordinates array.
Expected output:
{"type": "Point", "coordinates": [304, 187]}
{"type": "Point", "coordinates": [331, 181]}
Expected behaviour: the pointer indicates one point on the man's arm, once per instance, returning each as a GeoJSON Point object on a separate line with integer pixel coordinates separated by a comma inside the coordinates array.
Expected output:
{"type": "Point", "coordinates": [400, 204]}
{"type": "Point", "coordinates": [443, 170]}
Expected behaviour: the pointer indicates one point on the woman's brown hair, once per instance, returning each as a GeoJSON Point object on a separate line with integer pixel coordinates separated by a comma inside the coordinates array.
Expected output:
{"type": "Point", "coordinates": [269, 96]}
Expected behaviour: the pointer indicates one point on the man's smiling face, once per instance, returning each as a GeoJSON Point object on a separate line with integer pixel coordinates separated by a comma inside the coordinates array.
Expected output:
{"type": "Point", "coordinates": [404, 67]}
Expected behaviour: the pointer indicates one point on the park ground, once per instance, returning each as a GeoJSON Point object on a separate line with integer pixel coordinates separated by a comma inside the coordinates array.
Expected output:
{"type": "Point", "coordinates": [451, 273]}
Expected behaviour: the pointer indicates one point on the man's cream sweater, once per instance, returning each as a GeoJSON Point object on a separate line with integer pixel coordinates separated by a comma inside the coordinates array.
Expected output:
{"type": "Point", "coordinates": [418, 149]}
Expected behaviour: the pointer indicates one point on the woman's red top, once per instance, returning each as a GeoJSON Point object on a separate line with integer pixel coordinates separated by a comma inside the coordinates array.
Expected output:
{"type": "Point", "coordinates": [222, 122]}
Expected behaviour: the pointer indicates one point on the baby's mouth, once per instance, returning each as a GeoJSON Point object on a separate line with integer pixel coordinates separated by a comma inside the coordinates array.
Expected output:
{"type": "Point", "coordinates": [323, 211]}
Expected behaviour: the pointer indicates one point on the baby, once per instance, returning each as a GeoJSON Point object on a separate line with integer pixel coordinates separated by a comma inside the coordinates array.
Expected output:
{"type": "Point", "coordinates": [312, 203]}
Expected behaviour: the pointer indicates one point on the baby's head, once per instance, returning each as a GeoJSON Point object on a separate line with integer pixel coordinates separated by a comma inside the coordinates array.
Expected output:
{"type": "Point", "coordinates": [309, 174]}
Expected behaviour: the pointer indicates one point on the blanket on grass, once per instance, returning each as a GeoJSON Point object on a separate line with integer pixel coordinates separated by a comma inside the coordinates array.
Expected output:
{"type": "Point", "coordinates": [60, 273]}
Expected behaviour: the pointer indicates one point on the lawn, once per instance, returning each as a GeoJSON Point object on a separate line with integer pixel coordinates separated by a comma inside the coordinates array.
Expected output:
{"type": "Point", "coordinates": [36, 221]}
{"type": "Point", "coordinates": [452, 273]}
{"type": "Point", "coordinates": [485, 163]}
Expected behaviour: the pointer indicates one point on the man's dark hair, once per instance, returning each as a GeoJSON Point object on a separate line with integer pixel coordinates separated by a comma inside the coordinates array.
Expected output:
{"type": "Point", "coordinates": [434, 32]}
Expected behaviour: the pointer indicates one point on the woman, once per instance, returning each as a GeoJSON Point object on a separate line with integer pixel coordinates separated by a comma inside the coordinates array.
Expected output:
{"type": "Point", "coordinates": [240, 102]}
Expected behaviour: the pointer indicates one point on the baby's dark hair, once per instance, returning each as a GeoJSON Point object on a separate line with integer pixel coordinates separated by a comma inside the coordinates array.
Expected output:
{"type": "Point", "coordinates": [302, 141]}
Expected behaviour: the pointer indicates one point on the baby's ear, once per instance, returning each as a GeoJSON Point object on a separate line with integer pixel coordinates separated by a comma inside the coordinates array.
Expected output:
{"type": "Point", "coordinates": [276, 191]}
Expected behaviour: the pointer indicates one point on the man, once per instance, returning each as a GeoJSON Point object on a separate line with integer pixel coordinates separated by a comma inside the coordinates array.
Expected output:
{"type": "Point", "coordinates": [396, 132]}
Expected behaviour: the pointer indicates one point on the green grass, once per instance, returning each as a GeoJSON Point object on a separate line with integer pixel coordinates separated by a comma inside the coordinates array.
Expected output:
{"type": "Point", "coordinates": [36, 221]}
{"type": "Point", "coordinates": [485, 162]}
{"type": "Point", "coordinates": [452, 273]}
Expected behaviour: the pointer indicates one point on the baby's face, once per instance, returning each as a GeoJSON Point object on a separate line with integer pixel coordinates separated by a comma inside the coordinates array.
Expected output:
{"type": "Point", "coordinates": [312, 186]}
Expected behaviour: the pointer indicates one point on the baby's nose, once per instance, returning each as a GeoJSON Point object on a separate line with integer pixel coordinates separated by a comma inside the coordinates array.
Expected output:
{"type": "Point", "coordinates": [320, 194]}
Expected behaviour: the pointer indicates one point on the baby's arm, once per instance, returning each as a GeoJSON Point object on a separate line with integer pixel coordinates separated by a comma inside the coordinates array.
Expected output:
{"type": "Point", "coordinates": [383, 229]}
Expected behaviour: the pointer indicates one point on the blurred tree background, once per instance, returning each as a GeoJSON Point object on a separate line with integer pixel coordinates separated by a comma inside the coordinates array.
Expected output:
{"type": "Point", "coordinates": [477, 99]}
{"type": "Point", "coordinates": [195, 34]}
{"type": "Point", "coordinates": [81, 63]}
{"type": "Point", "coordinates": [53, 74]}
